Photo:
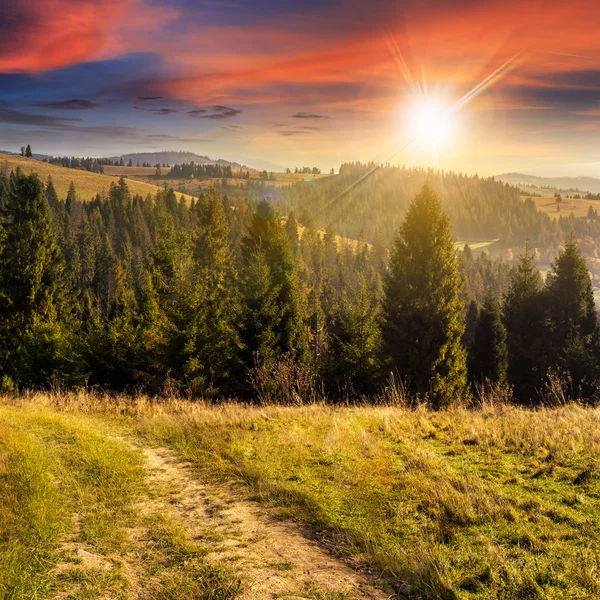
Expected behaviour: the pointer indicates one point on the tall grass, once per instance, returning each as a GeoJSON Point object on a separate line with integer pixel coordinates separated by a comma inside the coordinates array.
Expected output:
{"type": "Point", "coordinates": [496, 501]}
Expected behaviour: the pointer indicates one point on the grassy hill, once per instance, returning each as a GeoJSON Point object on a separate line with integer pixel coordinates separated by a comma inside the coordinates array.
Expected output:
{"type": "Point", "coordinates": [495, 502]}
{"type": "Point", "coordinates": [87, 184]}
{"type": "Point", "coordinates": [541, 184]}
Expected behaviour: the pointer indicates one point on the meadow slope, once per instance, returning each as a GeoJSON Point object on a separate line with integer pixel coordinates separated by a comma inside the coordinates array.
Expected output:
{"type": "Point", "coordinates": [498, 502]}
{"type": "Point", "coordinates": [87, 184]}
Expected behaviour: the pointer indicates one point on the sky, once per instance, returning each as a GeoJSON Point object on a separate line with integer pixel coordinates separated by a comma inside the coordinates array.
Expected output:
{"type": "Point", "coordinates": [282, 83]}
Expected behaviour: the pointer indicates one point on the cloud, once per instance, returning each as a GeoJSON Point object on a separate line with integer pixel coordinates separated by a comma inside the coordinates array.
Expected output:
{"type": "Point", "coordinates": [17, 117]}
{"type": "Point", "coordinates": [304, 115]}
{"type": "Point", "coordinates": [73, 104]}
{"type": "Point", "coordinates": [39, 35]}
{"type": "Point", "coordinates": [148, 98]}
{"type": "Point", "coordinates": [158, 111]}
{"type": "Point", "coordinates": [215, 113]}
{"type": "Point", "coordinates": [290, 133]}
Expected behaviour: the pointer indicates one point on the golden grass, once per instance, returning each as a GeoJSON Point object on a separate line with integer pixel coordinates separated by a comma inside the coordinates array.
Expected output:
{"type": "Point", "coordinates": [68, 483]}
{"type": "Point", "coordinates": [497, 502]}
{"type": "Point", "coordinates": [87, 184]}
{"type": "Point", "coordinates": [577, 207]}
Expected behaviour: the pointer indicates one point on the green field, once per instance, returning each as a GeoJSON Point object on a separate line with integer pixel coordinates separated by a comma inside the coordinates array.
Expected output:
{"type": "Point", "coordinates": [87, 184]}
{"type": "Point", "coordinates": [496, 502]}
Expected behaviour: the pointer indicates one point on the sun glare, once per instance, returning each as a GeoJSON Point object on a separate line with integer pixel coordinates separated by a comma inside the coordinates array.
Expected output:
{"type": "Point", "coordinates": [431, 125]}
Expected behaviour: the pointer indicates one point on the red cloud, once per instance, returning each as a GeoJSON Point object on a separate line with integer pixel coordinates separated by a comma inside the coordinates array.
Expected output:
{"type": "Point", "coordinates": [45, 34]}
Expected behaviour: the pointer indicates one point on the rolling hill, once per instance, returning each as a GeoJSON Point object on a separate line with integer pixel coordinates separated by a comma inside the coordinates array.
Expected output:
{"type": "Point", "coordinates": [87, 184]}
{"type": "Point", "coordinates": [573, 184]}
{"type": "Point", "coordinates": [174, 158]}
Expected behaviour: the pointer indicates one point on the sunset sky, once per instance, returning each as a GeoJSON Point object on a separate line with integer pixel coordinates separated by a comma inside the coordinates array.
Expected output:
{"type": "Point", "coordinates": [304, 83]}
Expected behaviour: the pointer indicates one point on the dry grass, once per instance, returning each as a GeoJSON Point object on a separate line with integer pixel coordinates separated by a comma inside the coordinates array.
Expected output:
{"type": "Point", "coordinates": [495, 502]}
{"type": "Point", "coordinates": [577, 207]}
{"type": "Point", "coordinates": [87, 184]}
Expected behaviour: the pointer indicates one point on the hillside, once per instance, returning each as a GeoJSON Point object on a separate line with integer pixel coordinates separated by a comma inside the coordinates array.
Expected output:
{"type": "Point", "coordinates": [571, 184]}
{"type": "Point", "coordinates": [364, 199]}
{"type": "Point", "coordinates": [108, 497]}
{"type": "Point", "coordinates": [174, 158]}
{"type": "Point", "coordinates": [87, 184]}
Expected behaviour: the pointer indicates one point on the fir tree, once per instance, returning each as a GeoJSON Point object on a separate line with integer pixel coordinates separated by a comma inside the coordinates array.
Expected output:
{"type": "Point", "coordinates": [488, 357]}
{"type": "Point", "coordinates": [353, 349]}
{"type": "Point", "coordinates": [422, 307]}
{"type": "Point", "coordinates": [28, 152]}
{"type": "Point", "coordinates": [524, 319]}
{"type": "Point", "coordinates": [51, 195]}
{"type": "Point", "coordinates": [213, 341]}
{"type": "Point", "coordinates": [71, 197]}
{"type": "Point", "coordinates": [33, 283]}
{"type": "Point", "coordinates": [267, 235]}
{"type": "Point", "coordinates": [573, 315]}
{"type": "Point", "coordinates": [291, 229]}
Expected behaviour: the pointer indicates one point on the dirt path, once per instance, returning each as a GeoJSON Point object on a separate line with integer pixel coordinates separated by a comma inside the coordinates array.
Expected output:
{"type": "Point", "coordinates": [272, 558]}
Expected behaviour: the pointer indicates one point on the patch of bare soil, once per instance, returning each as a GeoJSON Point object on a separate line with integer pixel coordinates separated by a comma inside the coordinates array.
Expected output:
{"type": "Point", "coordinates": [272, 558]}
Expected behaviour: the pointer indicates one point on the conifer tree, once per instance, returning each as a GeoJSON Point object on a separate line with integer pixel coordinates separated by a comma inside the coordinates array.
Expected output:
{"type": "Point", "coordinates": [213, 341]}
{"type": "Point", "coordinates": [28, 152]}
{"type": "Point", "coordinates": [51, 195]}
{"type": "Point", "coordinates": [524, 318]}
{"type": "Point", "coordinates": [291, 229]}
{"type": "Point", "coordinates": [573, 315]}
{"type": "Point", "coordinates": [71, 197]}
{"type": "Point", "coordinates": [267, 235]}
{"type": "Point", "coordinates": [488, 357]}
{"type": "Point", "coordinates": [422, 307]}
{"type": "Point", "coordinates": [33, 283]}
{"type": "Point", "coordinates": [354, 345]}
{"type": "Point", "coordinates": [470, 325]}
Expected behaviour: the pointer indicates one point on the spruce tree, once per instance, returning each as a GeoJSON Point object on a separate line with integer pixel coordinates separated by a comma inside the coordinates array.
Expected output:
{"type": "Point", "coordinates": [267, 235]}
{"type": "Point", "coordinates": [212, 337]}
{"type": "Point", "coordinates": [28, 152]}
{"type": "Point", "coordinates": [354, 344]}
{"type": "Point", "coordinates": [488, 357]}
{"type": "Point", "coordinates": [33, 282]}
{"type": "Point", "coordinates": [291, 229]}
{"type": "Point", "coordinates": [422, 307]}
{"type": "Point", "coordinates": [524, 318]}
{"type": "Point", "coordinates": [51, 195]}
{"type": "Point", "coordinates": [572, 315]}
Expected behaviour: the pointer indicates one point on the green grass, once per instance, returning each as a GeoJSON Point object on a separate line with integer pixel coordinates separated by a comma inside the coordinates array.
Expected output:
{"type": "Point", "coordinates": [87, 184]}
{"type": "Point", "coordinates": [499, 502]}
{"type": "Point", "coordinates": [67, 482]}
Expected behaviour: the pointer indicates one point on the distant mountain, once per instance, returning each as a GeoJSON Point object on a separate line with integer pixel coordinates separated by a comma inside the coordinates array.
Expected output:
{"type": "Point", "coordinates": [571, 184]}
{"type": "Point", "coordinates": [174, 158]}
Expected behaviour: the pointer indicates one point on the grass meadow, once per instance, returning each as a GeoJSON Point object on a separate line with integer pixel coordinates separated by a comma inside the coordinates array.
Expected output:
{"type": "Point", "coordinates": [494, 502]}
{"type": "Point", "coordinates": [86, 183]}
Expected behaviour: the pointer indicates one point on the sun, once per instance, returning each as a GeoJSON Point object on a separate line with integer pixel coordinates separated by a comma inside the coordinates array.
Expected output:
{"type": "Point", "coordinates": [431, 125]}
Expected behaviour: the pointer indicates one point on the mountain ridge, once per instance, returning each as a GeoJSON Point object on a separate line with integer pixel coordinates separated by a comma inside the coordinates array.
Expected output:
{"type": "Point", "coordinates": [581, 183]}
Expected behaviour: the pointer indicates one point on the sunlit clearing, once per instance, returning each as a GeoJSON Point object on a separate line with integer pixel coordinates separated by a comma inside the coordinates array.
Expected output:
{"type": "Point", "coordinates": [431, 125]}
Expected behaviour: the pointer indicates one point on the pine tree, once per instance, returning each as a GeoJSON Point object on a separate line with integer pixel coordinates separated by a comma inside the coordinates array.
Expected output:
{"type": "Point", "coordinates": [213, 340]}
{"type": "Point", "coordinates": [422, 307]}
{"type": "Point", "coordinates": [33, 283]}
{"type": "Point", "coordinates": [488, 357]}
{"type": "Point", "coordinates": [267, 235]}
{"type": "Point", "coordinates": [354, 345]}
{"type": "Point", "coordinates": [524, 318]}
{"type": "Point", "coordinates": [71, 197]}
{"type": "Point", "coordinates": [573, 315]}
{"type": "Point", "coordinates": [291, 229]}
{"type": "Point", "coordinates": [470, 325]}
{"type": "Point", "coordinates": [51, 195]}
{"type": "Point", "coordinates": [28, 152]}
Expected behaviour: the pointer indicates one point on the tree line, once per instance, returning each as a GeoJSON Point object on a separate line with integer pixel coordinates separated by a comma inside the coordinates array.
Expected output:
{"type": "Point", "coordinates": [202, 171]}
{"type": "Point", "coordinates": [210, 298]}
{"type": "Point", "coordinates": [479, 208]}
